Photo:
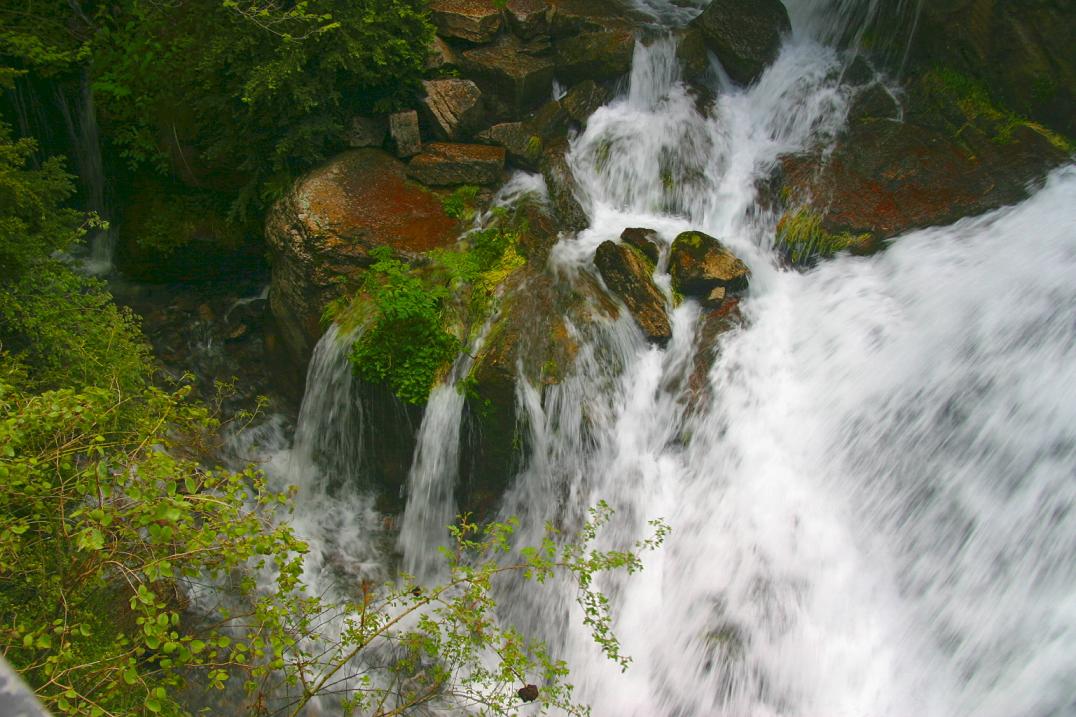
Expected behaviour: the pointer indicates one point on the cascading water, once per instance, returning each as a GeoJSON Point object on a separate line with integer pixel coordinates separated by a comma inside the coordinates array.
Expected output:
{"type": "Point", "coordinates": [873, 515]}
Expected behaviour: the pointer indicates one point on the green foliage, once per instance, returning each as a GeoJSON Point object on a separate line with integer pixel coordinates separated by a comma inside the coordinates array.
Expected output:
{"type": "Point", "coordinates": [104, 533]}
{"type": "Point", "coordinates": [460, 203]}
{"type": "Point", "coordinates": [254, 90]}
{"type": "Point", "coordinates": [801, 235]}
{"type": "Point", "coordinates": [33, 222]}
{"type": "Point", "coordinates": [406, 346]}
{"type": "Point", "coordinates": [407, 343]}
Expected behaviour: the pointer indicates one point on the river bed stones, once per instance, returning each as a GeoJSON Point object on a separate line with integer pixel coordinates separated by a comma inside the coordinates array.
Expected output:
{"type": "Point", "coordinates": [326, 226]}
{"type": "Point", "coordinates": [561, 184]}
{"type": "Point", "coordinates": [444, 164]}
{"type": "Point", "coordinates": [745, 35]}
{"type": "Point", "coordinates": [629, 275]}
{"type": "Point", "coordinates": [645, 240]}
{"type": "Point", "coordinates": [700, 264]}
{"type": "Point", "coordinates": [583, 100]}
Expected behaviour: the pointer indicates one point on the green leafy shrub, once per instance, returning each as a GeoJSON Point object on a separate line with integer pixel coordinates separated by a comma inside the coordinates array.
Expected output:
{"type": "Point", "coordinates": [405, 346]}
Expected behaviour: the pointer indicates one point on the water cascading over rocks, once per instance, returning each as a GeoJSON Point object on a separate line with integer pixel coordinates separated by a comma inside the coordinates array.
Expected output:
{"type": "Point", "coordinates": [866, 466]}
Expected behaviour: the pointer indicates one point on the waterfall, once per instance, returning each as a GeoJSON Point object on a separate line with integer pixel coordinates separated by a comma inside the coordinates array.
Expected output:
{"type": "Point", "coordinates": [874, 513]}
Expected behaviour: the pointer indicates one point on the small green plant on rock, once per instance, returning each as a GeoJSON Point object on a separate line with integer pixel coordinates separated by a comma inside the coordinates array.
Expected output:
{"type": "Point", "coordinates": [801, 235]}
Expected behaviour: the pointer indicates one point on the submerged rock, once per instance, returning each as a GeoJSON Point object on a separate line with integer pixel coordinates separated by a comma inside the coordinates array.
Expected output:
{"type": "Point", "coordinates": [452, 108]}
{"type": "Point", "coordinates": [699, 264]}
{"type": "Point", "coordinates": [444, 164]}
{"type": "Point", "coordinates": [628, 274]}
{"type": "Point", "coordinates": [325, 227]}
{"type": "Point", "coordinates": [744, 34]}
{"type": "Point", "coordinates": [472, 20]}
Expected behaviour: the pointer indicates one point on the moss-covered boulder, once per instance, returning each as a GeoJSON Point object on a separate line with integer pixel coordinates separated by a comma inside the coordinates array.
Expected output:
{"type": "Point", "coordinates": [452, 108]}
{"type": "Point", "coordinates": [324, 229]}
{"type": "Point", "coordinates": [1023, 51]}
{"type": "Point", "coordinates": [956, 154]}
{"type": "Point", "coordinates": [700, 265]}
{"type": "Point", "coordinates": [744, 34]}
{"type": "Point", "coordinates": [629, 275]}
{"type": "Point", "coordinates": [523, 147]}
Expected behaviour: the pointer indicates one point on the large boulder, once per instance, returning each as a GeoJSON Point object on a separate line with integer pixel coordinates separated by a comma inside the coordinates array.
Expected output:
{"type": "Point", "coordinates": [954, 155]}
{"type": "Point", "coordinates": [443, 164]}
{"type": "Point", "coordinates": [323, 230]}
{"type": "Point", "coordinates": [702, 267]}
{"type": "Point", "coordinates": [595, 56]}
{"type": "Point", "coordinates": [629, 275]}
{"type": "Point", "coordinates": [404, 132]}
{"type": "Point", "coordinates": [472, 20]}
{"type": "Point", "coordinates": [452, 108]}
{"type": "Point", "coordinates": [1024, 51]}
{"type": "Point", "coordinates": [744, 34]}
{"type": "Point", "coordinates": [521, 80]}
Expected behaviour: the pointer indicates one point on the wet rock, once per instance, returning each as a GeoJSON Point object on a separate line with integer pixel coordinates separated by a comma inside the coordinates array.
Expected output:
{"type": "Point", "coordinates": [521, 80]}
{"type": "Point", "coordinates": [366, 132]}
{"type": "Point", "coordinates": [325, 227]}
{"type": "Point", "coordinates": [441, 56]}
{"type": "Point", "coordinates": [940, 164]}
{"type": "Point", "coordinates": [472, 20]}
{"type": "Point", "coordinates": [712, 324]}
{"type": "Point", "coordinates": [452, 108]}
{"type": "Point", "coordinates": [1021, 50]}
{"type": "Point", "coordinates": [550, 122]}
{"type": "Point", "coordinates": [595, 56]}
{"type": "Point", "coordinates": [403, 129]}
{"type": "Point", "coordinates": [745, 35]}
{"type": "Point", "coordinates": [628, 274]}
{"type": "Point", "coordinates": [524, 148]}
{"type": "Point", "coordinates": [692, 54]}
{"type": "Point", "coordinates": [874, 102]}
{"type": "Point", "coordinates": [562, 188]}
{"type": "Point", "coordinates": [527, 18]}
{"type": "Point", "coordinates": [699, 263]}
{"type": "Point", "coordinates": [645, 240]}
{"type": "Point", "coordinates": [583, 100]}
{"type": "Point", "coordinates": [443, 164]}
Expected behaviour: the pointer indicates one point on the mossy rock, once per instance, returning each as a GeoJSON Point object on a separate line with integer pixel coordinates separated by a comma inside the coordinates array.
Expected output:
{"type": "Point", "coordinates": [803, 240]}
{"type": "Point", "coordinates": [700, 264]}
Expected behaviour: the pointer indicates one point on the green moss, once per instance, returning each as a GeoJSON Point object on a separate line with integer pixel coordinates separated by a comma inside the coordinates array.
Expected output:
{"type": "Point", "coordinates": [947, 87]}
{"type": "Point", "coordinates": [801, 235]}
{"type": "Point", "coordinates": [415, 319]}
{"type": "Point", "coordinates": [534, 146]}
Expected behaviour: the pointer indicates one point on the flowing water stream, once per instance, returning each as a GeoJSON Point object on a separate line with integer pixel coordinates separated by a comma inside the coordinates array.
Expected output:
{"type": "Point", "coordinates": [873, 516]}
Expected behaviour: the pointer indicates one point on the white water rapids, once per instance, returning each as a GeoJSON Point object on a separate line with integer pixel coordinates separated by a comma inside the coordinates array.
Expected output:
{"type": "Point", "coordinates": [873, 517]}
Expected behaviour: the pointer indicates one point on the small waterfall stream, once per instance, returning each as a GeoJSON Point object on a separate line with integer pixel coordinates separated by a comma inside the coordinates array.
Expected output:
{"type": "Point", "coordinates": [874, 514]}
